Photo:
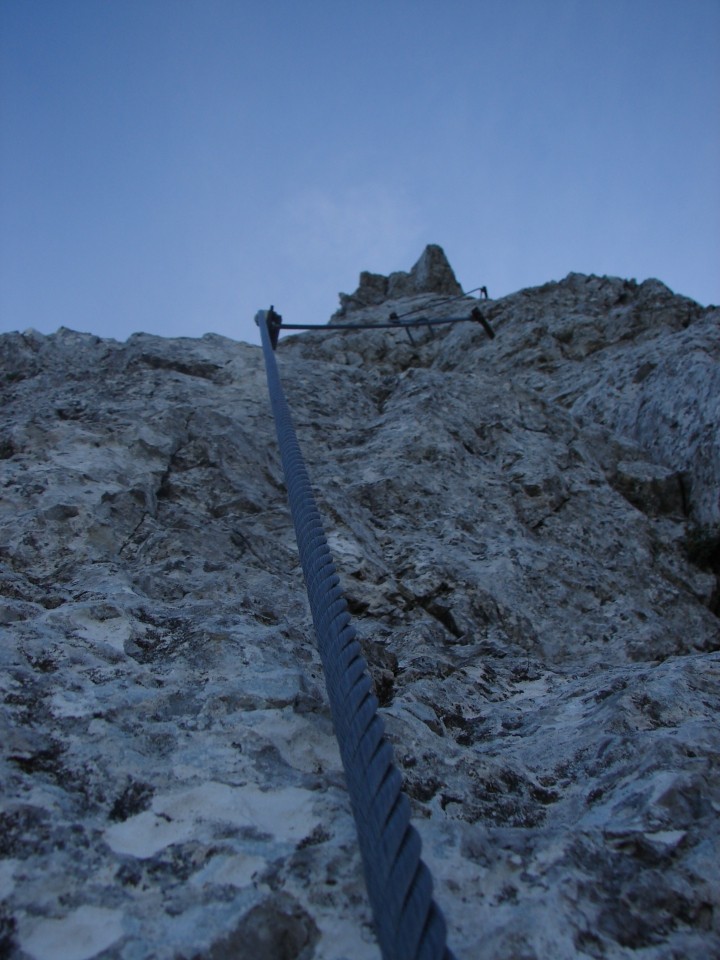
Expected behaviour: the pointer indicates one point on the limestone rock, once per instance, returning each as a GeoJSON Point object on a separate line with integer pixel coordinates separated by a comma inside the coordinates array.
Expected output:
{"type": "Point", "coordinates": [528, 547]}
{"type": "Point", "coordinates": [431, 274]}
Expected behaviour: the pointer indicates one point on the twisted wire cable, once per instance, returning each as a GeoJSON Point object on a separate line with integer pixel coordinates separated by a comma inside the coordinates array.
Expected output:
{"type": "Point", "coordinates": [408, 923]}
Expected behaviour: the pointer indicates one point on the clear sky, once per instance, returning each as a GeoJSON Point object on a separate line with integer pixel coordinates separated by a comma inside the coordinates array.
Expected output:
{"type": "Point", "coordinates": [172, 166]}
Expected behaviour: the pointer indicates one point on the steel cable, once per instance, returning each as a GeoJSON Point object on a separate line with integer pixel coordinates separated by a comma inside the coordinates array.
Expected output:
{"type": "Point", "coordinates": [408, 923]}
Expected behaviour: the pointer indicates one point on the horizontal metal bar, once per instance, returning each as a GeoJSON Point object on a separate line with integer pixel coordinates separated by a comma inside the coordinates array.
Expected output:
{"type": "Point", "coordinates": [391, 325]}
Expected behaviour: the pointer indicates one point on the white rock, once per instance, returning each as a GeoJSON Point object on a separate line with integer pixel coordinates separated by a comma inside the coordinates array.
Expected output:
{"type": "Point", "coordinates": [80, 935]}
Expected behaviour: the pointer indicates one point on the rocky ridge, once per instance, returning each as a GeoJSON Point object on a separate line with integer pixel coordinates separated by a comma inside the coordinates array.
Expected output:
{"type": "Point", "coordinates": [432, 274]}
{"type": "Point", "coordinates": [528, 533]}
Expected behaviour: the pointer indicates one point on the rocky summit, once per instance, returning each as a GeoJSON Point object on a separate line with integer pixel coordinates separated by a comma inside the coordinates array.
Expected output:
{"type": "Point", "coordinates": [527, 530]}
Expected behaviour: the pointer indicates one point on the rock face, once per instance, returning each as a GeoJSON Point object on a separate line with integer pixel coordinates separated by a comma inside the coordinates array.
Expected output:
{"type": "Point", "coordinates": [528, 534]}
{"type": "Point", "coordinates": [431, 274]}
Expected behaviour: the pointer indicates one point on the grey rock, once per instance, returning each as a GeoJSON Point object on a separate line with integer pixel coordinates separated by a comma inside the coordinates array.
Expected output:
{"type": "Point", "coordinates": [530, 551]}
{"type": "Point", "coordinates": [276, 929]}
{"type": "Point", "coordinates": [652, 488]}
{"type": "Point", "coordinates": [633, 358]}
{"type": "Point", "coordinates": [431, 274]}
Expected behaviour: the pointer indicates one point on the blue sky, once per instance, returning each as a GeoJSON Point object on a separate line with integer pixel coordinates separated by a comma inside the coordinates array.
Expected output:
{"type": "Point", "coordinates": [172, 166]}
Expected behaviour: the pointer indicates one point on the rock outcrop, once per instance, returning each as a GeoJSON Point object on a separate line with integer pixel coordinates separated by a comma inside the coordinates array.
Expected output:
{"type": "Point", "coordinates": [431, 274]}
{"type": "Point", "coordinates": [528, 535]}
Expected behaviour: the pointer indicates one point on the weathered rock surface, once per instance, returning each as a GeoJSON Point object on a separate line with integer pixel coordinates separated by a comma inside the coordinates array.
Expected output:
{"type": "Point", "coordinates": [431, 274]}
{"type": "Point", "coordinates": [527, 531]}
